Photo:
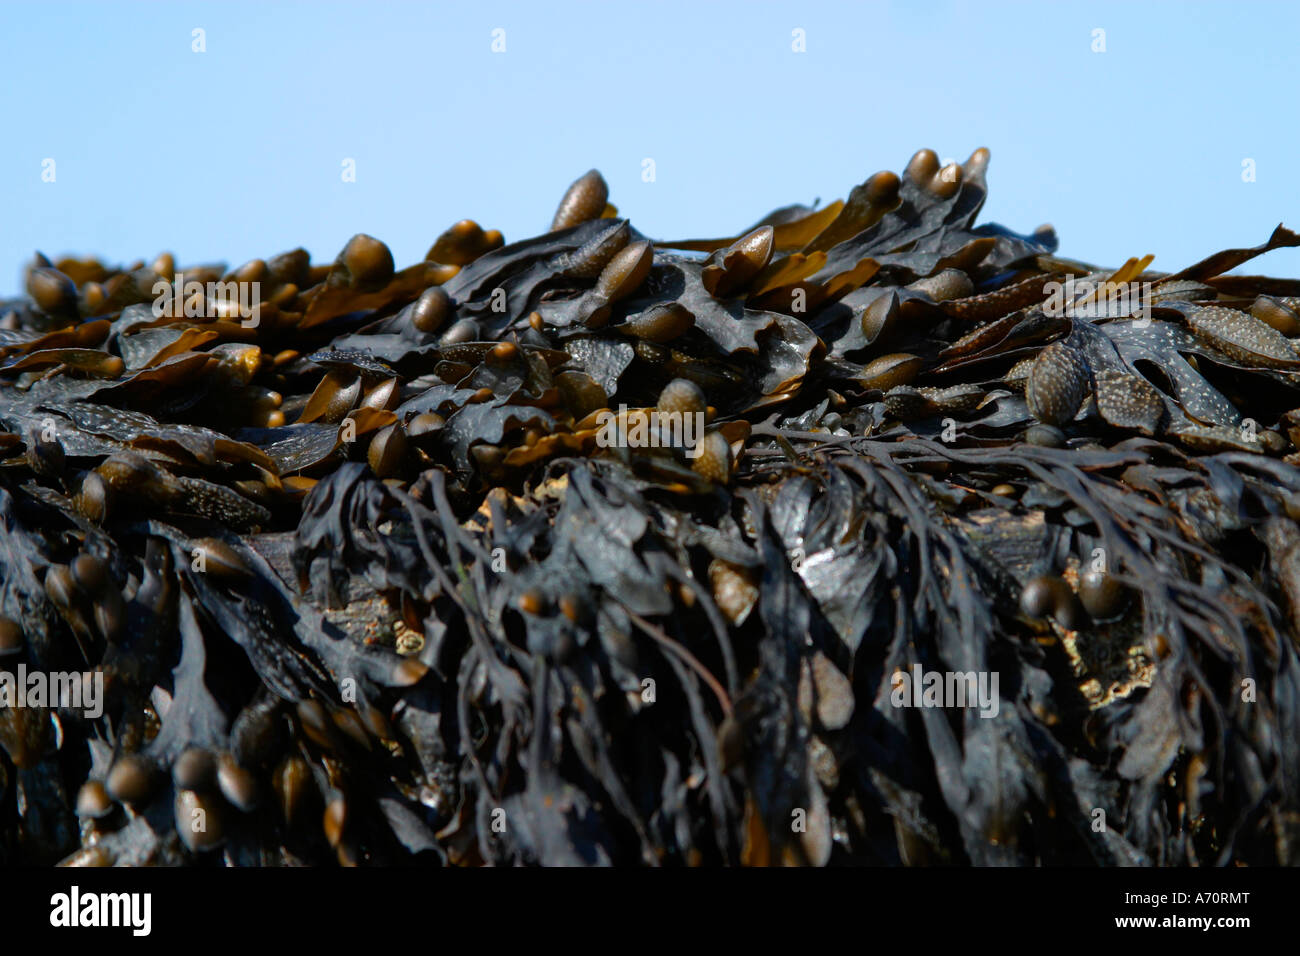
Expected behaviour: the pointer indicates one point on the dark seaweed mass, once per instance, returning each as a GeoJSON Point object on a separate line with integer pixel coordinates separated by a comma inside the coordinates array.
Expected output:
{"type": "Point", "coordinates": [365, 584]}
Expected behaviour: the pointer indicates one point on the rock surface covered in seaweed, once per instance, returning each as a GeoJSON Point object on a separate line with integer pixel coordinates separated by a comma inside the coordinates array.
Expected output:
{"type": "Point", "coordinates": [430, 564]}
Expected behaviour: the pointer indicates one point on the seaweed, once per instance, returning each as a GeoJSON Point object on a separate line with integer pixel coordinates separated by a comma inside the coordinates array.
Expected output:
{"type": "Point", "coordinates": [592, 549]}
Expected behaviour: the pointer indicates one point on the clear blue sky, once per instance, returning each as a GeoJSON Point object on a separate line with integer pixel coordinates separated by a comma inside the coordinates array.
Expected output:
{"type": "Point", "coordinates": [236, 152]}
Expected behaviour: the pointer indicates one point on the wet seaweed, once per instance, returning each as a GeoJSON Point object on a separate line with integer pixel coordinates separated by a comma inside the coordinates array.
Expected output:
{"type": "Point", "coordinates": [434, 564]}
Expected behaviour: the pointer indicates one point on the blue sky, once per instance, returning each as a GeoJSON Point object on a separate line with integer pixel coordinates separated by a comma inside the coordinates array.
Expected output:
{"type": "Point", "coordinates": [237, 152]}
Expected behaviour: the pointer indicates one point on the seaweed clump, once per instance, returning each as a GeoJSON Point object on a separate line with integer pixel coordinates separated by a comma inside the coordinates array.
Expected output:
{"type": "Point", "coordinates": [592, 548]}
